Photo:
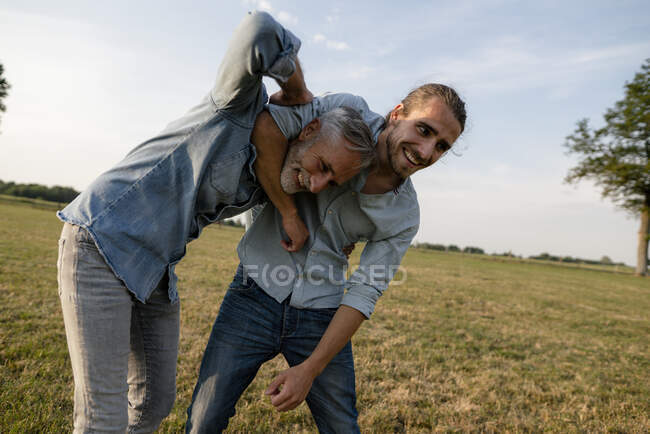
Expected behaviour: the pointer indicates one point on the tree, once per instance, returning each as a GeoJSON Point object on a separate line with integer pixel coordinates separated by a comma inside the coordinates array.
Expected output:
{"type": "Point", "coordinates": [4, 88]}
{"type": "Point", "coordinates": [617, 156]}
{"type": "Point", "coordinates": [38, 191]}
{"type": "Point", "coordinates": [606, 260]}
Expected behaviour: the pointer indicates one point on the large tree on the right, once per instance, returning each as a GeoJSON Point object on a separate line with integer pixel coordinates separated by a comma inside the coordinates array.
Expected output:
{"type": "Point", "coordinates": [617, 156]}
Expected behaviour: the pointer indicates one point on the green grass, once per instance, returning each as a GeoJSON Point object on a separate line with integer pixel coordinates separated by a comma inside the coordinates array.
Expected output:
{"type": "Point", "coordinates": [33, 203]}
{"type": "Point", "coordinates": [468, 343]}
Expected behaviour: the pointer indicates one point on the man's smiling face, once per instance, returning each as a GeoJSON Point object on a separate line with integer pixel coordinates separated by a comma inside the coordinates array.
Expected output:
{"type": "Point", "coordinates": [419, 139]}
{"type": "Point", "coordinates": [314, 162]}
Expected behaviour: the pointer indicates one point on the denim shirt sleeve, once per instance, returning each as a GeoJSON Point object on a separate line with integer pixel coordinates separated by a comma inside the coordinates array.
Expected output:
{"type": "Point", "coordinates": [292, 119]}
{"type": "Point", "coordinates": [260, 46]}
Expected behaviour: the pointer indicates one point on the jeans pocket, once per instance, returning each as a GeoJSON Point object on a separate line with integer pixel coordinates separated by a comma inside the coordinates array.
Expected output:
{"type": "Point", "coordinates": [59, 264]}
{"type": "Point", "coordinates": [242, 285]}
{"type": "Point", "coordinates": [241, 282]}
{"type": "Point", "coordinates": [160, 294]}
{"type": "Point", "coordinates": [84, 240]}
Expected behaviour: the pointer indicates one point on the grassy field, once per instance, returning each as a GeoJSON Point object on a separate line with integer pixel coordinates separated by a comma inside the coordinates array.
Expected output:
{"type": "Point", "coordinates": [468, 343]}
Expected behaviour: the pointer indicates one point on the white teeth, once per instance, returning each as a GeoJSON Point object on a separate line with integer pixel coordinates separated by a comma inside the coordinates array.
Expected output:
{"type": "Point", "coordinates": [410, 156]}
{"type": "Point", "coordinates": [301, 180]}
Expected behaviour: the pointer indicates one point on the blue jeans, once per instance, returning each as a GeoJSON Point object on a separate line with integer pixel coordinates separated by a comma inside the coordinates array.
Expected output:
{"type": "Point", "coordinates": [252, 328]}
{"type": "Point", "coordinates": [123, 352]}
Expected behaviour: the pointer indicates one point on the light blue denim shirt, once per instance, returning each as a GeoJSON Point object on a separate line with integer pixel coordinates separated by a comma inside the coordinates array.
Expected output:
{"type": "Point", "coordinates": [143, 212]}
{"type": "Point", "coordinates": [315, 277]}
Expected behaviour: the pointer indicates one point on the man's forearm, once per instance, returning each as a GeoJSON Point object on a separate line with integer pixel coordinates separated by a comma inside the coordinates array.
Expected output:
{"type": "Point", "coordinates": [271, 147]}
{"type": "Point", "coordinates": [290, 387]}
{"type": "Point", "coordinates": [271, 144]}
{"type": "Point", "coordinates": [343, 326]}
{"type": "Point", "coordinates": [293, 91]}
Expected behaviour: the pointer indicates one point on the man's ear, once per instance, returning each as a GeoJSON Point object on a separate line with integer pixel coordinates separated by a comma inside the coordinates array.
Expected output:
{"type": "Point", "coordinates": [397, 112]}
{"type": "Point", "coordinates": [310, 129]}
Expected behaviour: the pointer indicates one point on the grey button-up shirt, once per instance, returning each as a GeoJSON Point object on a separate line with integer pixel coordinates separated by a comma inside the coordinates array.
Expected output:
{"type": "Point", "coordinates": [142, 212]}
{"type": "Point", "coordinates": [315, 277]}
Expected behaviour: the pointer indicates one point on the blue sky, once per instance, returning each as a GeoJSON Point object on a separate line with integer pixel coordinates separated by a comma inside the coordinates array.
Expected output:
{"type": "Point", "coordinates": [91, 80]}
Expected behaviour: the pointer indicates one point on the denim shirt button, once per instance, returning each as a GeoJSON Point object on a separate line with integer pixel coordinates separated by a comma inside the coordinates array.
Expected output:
{"type": "Point", "coordinates": [329, 212]}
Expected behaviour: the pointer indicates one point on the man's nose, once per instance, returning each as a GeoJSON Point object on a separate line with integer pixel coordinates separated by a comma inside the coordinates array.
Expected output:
{"type": "Point", "coordinates": [429, 152]}
{"type": "Point", "coordinates": [318, 182]}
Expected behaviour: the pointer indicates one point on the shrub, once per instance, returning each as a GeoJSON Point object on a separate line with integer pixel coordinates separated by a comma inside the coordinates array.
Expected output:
{"type": "Point", "coordinates": [38, 191]}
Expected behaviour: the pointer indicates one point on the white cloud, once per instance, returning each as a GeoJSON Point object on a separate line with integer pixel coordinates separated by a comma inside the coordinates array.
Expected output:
{"type": "Point", "coordinates": [511, 63]}
{"type": "Point", "coordinates": [358, 72]}
{"type": "Point", "coordinates": [333, 17]}
{"type": "Point", "coordinates": [287, 19]}
{"type": "Point", "coordinates": [261, 5]}
{"type": "Point", "coordinates": [284, 17]}
{"type": "Point", "coordinates": [265, 5]}
{"type": "Point", "coordinates": [337, 45]}
{"type": "Point", "coordinates": [607, 53]}
{"type": "Point", "coordinates": [330, 43]}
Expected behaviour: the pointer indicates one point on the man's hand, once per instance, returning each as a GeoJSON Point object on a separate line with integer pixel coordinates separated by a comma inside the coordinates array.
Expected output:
{"type": "Point", "coordinates": [296, 383]}
{"type": "Point", "coordinates": [283, 98]}
{"type": "Point", "coordinates": [296, 231]}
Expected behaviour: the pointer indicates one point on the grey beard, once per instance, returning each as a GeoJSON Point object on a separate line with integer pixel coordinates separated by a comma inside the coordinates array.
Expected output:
{"type": "Point", "coordinates": [295, 153]}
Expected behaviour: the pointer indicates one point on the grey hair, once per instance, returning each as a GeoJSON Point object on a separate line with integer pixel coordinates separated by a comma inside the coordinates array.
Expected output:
{"type": "Point", "coordinates": [347, 122]}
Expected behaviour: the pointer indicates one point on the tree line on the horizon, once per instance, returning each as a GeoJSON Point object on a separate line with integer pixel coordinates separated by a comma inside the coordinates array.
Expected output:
{"type": "Point", "coordinates": [449, 248]}
{"type": "Point", "coordinates": [67, 194]}
{"type": "Point", "coordinates": [39, 191]}
{"type": "Point", "coordinates": [605, 260]}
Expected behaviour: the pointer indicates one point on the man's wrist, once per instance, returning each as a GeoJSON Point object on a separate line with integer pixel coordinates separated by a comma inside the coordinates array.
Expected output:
{"type": "Point", "coordinates": [313, 367]}
{"type": "Point", "coordinates": [289, 212]}
{"type": "Point", "coordinates": [292, 97]}
{"type": "Point", "coordinates": [292, 92]}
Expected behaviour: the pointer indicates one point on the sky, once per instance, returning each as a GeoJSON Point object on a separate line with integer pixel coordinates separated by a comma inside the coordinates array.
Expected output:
{"type": "Point", "coordinates": [91, 80]}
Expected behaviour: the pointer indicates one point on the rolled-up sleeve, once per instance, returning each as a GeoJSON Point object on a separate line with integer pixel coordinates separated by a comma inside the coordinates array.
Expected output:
{"type": "Point", "coordinates": [380, 260]}
{"type": "Point", "coordinates": [260, 46]}
{"type": "Point", "coordinates": [292, 119]}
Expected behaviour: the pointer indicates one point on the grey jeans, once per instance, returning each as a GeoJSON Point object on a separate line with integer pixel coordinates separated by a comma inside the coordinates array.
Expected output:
{"type": "Point", "coordinates": [123, 352]}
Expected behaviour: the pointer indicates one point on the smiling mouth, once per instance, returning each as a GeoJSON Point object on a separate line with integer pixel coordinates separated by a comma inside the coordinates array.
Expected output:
{"type": "Point", "coordinates": [300, 180]}
{"type": "Point", "coordinates": [410, 157]}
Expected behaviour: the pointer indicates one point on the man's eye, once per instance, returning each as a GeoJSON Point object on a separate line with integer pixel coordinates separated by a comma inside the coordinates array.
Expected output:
{"type": "Point", "coordinates": [424, 131]}
{"type": "Point", "coordinates": [442, 147]}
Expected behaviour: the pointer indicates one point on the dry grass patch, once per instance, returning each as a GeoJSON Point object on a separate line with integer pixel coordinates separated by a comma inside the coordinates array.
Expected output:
{"type": "Point", "coordinates": [467, 343]}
